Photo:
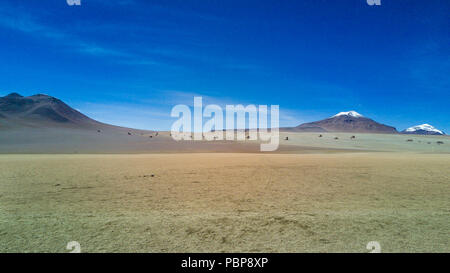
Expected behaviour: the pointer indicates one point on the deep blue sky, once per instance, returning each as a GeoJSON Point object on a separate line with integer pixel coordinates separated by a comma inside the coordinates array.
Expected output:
{"type": "Point", "coordinates": [128, 62]}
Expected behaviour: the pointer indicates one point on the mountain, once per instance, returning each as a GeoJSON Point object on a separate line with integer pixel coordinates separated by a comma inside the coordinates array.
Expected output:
{"type": "Point", "coordinates": [345, 122]}
{"type": "Point", "coordinates": [41, 111]}
{"type": "Point", "coordinates": [423, 129]}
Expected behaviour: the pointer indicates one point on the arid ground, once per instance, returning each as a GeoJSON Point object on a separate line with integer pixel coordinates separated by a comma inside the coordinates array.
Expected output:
{"type": "Point", "coordinates": [318, 200]}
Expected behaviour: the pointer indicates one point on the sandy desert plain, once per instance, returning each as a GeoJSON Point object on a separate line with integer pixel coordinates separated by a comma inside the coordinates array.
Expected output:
{"type": "Point", "coordinates": [136, 194]}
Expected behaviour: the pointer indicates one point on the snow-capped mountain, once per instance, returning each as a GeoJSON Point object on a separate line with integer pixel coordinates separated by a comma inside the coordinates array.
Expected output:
{"type": "Point", "coordinates": [349, 113]}
{"type": "Point", "coordinates": [423, 129]}
{"type": "Point", "coordinates": [350, 121]}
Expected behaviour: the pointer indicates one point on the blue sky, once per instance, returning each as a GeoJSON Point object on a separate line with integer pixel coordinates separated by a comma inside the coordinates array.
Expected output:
{"type": "Point", "coordinates": [129, 62]}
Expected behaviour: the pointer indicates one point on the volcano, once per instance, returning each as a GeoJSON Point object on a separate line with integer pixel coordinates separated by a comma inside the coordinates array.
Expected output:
{"type": "Point", "coordinates": [350, 121]}
{"type": "Point", "coordinates": [41, 111]}
{"type": "Point", "coordinates": [423, 129]}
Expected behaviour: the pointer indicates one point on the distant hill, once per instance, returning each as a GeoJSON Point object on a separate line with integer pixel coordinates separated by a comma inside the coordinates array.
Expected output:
{"type": "Point", "coordinates": [423, 129]}
{"type": "Point", "coordinates": [345, 122]}
{"type": "Point", "coordinates": [43, 111]}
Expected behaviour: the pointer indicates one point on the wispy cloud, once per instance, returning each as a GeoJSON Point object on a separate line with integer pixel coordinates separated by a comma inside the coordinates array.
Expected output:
{"type": "Point", "coordinates": [199, 56]}
{"type": "Point", "coordinates": [129, 115]}
{"type": "Point", "coordinates": [170, 98]}
{"type": "Point", "coordinates": [97, 50]}
{"type": "Point", "coordinates": [19, 20]}
{"type": "Point", "coordinates": [186, 53]}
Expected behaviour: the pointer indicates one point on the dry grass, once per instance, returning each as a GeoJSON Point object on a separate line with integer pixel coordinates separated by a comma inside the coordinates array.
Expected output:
{"type": "Point", "coordinates": [225, 202]}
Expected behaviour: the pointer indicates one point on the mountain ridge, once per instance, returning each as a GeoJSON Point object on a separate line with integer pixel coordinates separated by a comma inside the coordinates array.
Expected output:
{"type": "Point", "coordinates": [41, 110]}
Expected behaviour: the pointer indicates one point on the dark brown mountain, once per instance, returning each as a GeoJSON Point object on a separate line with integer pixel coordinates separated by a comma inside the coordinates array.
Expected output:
{"type": "Point", "coordinates": [41, 111]}
{"type": "Point", "coordinates": [46, 112]}
{"type": "Point", "coordinates": [345, 122]}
